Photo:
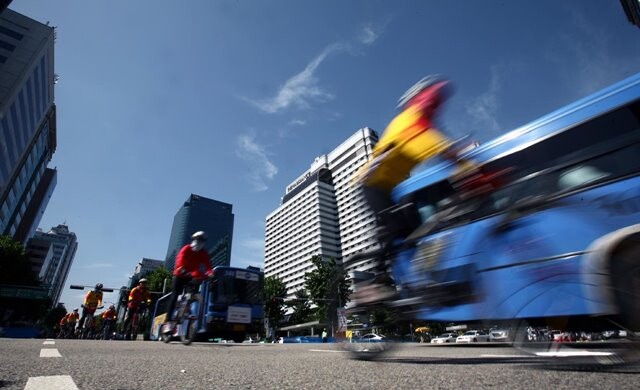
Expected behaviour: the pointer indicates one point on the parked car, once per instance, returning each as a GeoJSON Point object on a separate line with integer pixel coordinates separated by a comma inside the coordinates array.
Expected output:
{"type": "Point", "coordinates": [499, 335]}
{"type": "Point", "coordinates": [472, 336]}
{"type": "Point", "coordinates": [444, 338]}
{"type": "Point", "coordinates": [372, 337]}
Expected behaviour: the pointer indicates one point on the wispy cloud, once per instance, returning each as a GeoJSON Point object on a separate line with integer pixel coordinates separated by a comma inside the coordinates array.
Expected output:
{"type": "Point", "coordinates": [297, 122]}
{"type": "Point", "coordinates": [261, 168]}
{"type": "Point", "coordinates": [369, 34]}
{"type": "Point", "coordinates": [593, 65]}
{"type": "Point", "coordinates": [483, 108]}
{"type": "Point", "coordinates": [303, 89]}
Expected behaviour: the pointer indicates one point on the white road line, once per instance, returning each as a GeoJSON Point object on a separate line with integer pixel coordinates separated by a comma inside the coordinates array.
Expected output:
{"type": "Point", "coordinates": [503, 356]}
{"type": "Point", "coordinates": [48, 339]}
{"type": "Point", "coordinates": [49, 352]}
{"type": "Point", "coordinates": [48, 342]}
{"type": "Point", "coordinates": [573, 353]}
{"type": "Point", "coordinates": [56, 382]}
{"type": "Point", "coordinates": [326, 350]}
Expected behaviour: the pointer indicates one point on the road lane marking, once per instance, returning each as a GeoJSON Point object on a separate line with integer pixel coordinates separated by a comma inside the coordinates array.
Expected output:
{"type": "Point", "coordinates": [573, 353]}
{"type": "Point", "coordinates": [326, 350]}
{"type": "Point", "coordinates": [56, 382]}
{"type": "Point", "coordinates": [502, 356]}
{"type": "Point", "coordinates": [48, 342]}
{"type": "Point", "coordinates": [49, 352]}
{"type": "Point", "coordinates": [48, 339]}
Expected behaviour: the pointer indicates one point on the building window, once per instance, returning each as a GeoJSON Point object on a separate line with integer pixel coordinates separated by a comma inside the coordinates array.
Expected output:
{"type": "Point", "coordinates": [7, 45]}
{"type": "Point", "coordinates": [10, 33]}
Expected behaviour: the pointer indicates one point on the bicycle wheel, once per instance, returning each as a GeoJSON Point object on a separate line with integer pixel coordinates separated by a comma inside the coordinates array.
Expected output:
{"type": "Point", "coordinates": [189, 325]}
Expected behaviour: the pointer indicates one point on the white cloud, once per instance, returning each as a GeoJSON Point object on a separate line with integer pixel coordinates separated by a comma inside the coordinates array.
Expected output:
{"type": "Point", "coordinates": [368, 35]}
{"type": "Point", "coordinates": [297, 122]}
{"type": "Point", "coordinates": [301, 89]}
{"type": "Point", "coordinates": [261, 168]}
{"type": "Point", "coordinates": [484, 107]}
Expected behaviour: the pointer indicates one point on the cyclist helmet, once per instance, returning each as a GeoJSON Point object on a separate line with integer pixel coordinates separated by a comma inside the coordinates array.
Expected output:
{"type": "Point", "coordinates": [143, 280]}
{"type": "Point", "coordinates": [76, 309]}
{"type": "Point", "coordinates": [98, 286]}
{"type": "Point", "coordinates": [112, 307]}
{"type": "Point", "coordinates": [199, 236]}
{"type": "Point", "coordinates": [424, 83]}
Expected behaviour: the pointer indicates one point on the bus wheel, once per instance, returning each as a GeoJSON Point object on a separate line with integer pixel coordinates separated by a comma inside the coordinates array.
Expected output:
{"type": "Point", "coordinates": [625, 270]}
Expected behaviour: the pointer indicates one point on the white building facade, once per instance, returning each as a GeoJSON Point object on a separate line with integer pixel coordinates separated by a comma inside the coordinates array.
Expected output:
{"type": "Point", "coordinates": [322, 214]}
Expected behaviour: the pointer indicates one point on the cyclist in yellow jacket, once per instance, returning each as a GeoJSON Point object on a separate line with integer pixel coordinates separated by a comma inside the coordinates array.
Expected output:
{"type": "Point", "coordinates": [92, 301]}
{"type": "Point", "coordinates": [410, 139]}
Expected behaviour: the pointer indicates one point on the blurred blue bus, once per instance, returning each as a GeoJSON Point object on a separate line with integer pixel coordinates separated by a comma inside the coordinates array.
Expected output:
{"type": "Point", "coordinates": [559, 241]}
{"type": "Point", "coordinates": [232, 308]}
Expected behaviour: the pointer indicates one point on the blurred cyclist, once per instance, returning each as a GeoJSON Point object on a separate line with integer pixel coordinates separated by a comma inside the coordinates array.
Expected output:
{"type": "Point", "coordinates": [109, 318]}
{"type": "Point", "coordinates": [92, 301]}
{"type": "Point", "coordinates": [410, 139]}
{"type": "Point", "coordinates": [69, 321]}
{"type": "Point", "coordinates": [190, 262]}
{"type": "Point", "coordinates": [139, 297]}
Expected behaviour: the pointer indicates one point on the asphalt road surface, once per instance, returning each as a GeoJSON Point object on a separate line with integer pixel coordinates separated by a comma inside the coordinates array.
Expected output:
{"type": "Point", "coordinates": [88, 364]}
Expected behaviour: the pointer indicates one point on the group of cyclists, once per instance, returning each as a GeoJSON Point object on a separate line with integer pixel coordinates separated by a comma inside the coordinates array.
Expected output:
{"type": "Point", "coordinates": [192, 263]}
{"type": "Point", "coordinates": [72, 325]}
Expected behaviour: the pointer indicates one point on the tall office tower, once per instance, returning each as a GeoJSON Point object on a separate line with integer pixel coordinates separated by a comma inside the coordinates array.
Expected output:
{"type": "Point", "coordinates": [27, 123]}
{"type": "Point", "coordinates": [209, 215]}
{"type": "Point", "coordinates": [51, 255]}
{"type": "Point", "coordinates": [322, 213]}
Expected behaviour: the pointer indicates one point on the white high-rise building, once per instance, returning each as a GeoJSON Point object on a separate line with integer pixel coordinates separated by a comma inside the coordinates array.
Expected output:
{"type": "Point", "coordinates": [322, 213]}
{"type": "Point", "coordinates": [51, 255]}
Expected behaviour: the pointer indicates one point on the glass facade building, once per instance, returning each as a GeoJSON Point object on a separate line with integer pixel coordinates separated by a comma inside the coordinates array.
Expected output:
{"type": "Point", "coordinates": [211, 216]}
{"type": "Point", "coordinates": [27, 123]}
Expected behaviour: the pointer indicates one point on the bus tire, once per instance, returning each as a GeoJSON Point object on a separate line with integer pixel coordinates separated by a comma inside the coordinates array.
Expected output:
{"type": "Point", "coordinates": [625, 269]}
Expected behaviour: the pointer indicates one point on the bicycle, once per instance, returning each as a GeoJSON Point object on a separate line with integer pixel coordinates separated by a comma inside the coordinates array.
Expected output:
{"type": "Point", "coordinates": [87, 331]}
{"type": "Point", "coordinates": [186, 321]}
{"type": "Point", "coordinates": [108, 328]}
{"type": "Point", "coordinates": [137, 317]}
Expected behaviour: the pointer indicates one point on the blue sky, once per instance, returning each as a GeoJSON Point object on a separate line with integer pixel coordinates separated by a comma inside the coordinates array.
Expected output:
{"type": "Point", "coordinates": [232, 100]}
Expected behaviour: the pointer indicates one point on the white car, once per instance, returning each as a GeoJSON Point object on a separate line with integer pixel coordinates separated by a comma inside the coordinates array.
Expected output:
{"type": "Point", "coordinates": [499, 335]}
{"type": "Point", "coordinates": [444, 338]}
{"type": "Point", "coordinates": [473, 336]}
{"type": "Point", "coordinates": [372, 337]}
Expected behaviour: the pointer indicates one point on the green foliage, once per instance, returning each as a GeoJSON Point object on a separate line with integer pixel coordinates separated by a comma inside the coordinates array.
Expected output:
{"type": "Point", "coordinates": [328, 286]}
{"type": "Point", "coordinates": [15, 267]}
{"type": "Point", "coordinates": [274, 293]}
{"type": "Point", "coordinates": [157, 277]}
{"type": "Point", "coordinates": [302, 311]}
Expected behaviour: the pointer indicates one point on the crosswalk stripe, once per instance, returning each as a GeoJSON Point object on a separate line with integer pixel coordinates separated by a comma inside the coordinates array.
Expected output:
{"type": "Point", "coordinates": [48, 342]}
{"type": "Point", "coordinates": [49, 352]}
{"type": "Point", "coordinates": [56, 382]}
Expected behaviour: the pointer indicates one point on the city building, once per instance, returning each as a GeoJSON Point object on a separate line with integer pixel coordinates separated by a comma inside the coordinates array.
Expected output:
{"type": "Point", "coordinates": [322, 214]}
{"type": "Point", "coordinates": [51, 255]}
{"type": "Point", "coordinates": [144, 268]}
{"type": "Point", "coordinates": [211, 216]}
{"type": "Point", "coordinates": [27, 123]}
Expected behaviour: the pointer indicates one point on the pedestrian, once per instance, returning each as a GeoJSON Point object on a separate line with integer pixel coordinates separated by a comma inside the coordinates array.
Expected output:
{"type": "Point", "coordinates": [324, 335]}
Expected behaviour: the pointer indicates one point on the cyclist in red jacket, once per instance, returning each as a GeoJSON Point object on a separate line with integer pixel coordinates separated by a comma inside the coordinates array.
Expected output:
{"type": "Point", "coordinates": [190, 263]}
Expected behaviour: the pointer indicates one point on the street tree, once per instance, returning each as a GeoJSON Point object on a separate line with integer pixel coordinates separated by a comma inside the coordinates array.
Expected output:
{"type": "Point", "coordinates": [157, 277]}
{"type": "Point", "coordinates": [274, 293]}
{"type": "Point", "coordinates": [14, 264]}
{"type": "Point", "coordinates": [301, 306]}
{"type": "Point", "coordinates": [328, 286]}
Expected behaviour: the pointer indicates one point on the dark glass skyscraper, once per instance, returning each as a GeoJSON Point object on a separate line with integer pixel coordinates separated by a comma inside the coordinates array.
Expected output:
{"type": "Point", "coordinates": [209, 215]}
{"type": "Point", "coordinates": [27, 123]}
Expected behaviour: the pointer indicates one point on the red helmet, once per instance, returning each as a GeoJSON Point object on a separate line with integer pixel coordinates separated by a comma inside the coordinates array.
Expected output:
{"type": "Point", "coordinates": [430, 90]}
